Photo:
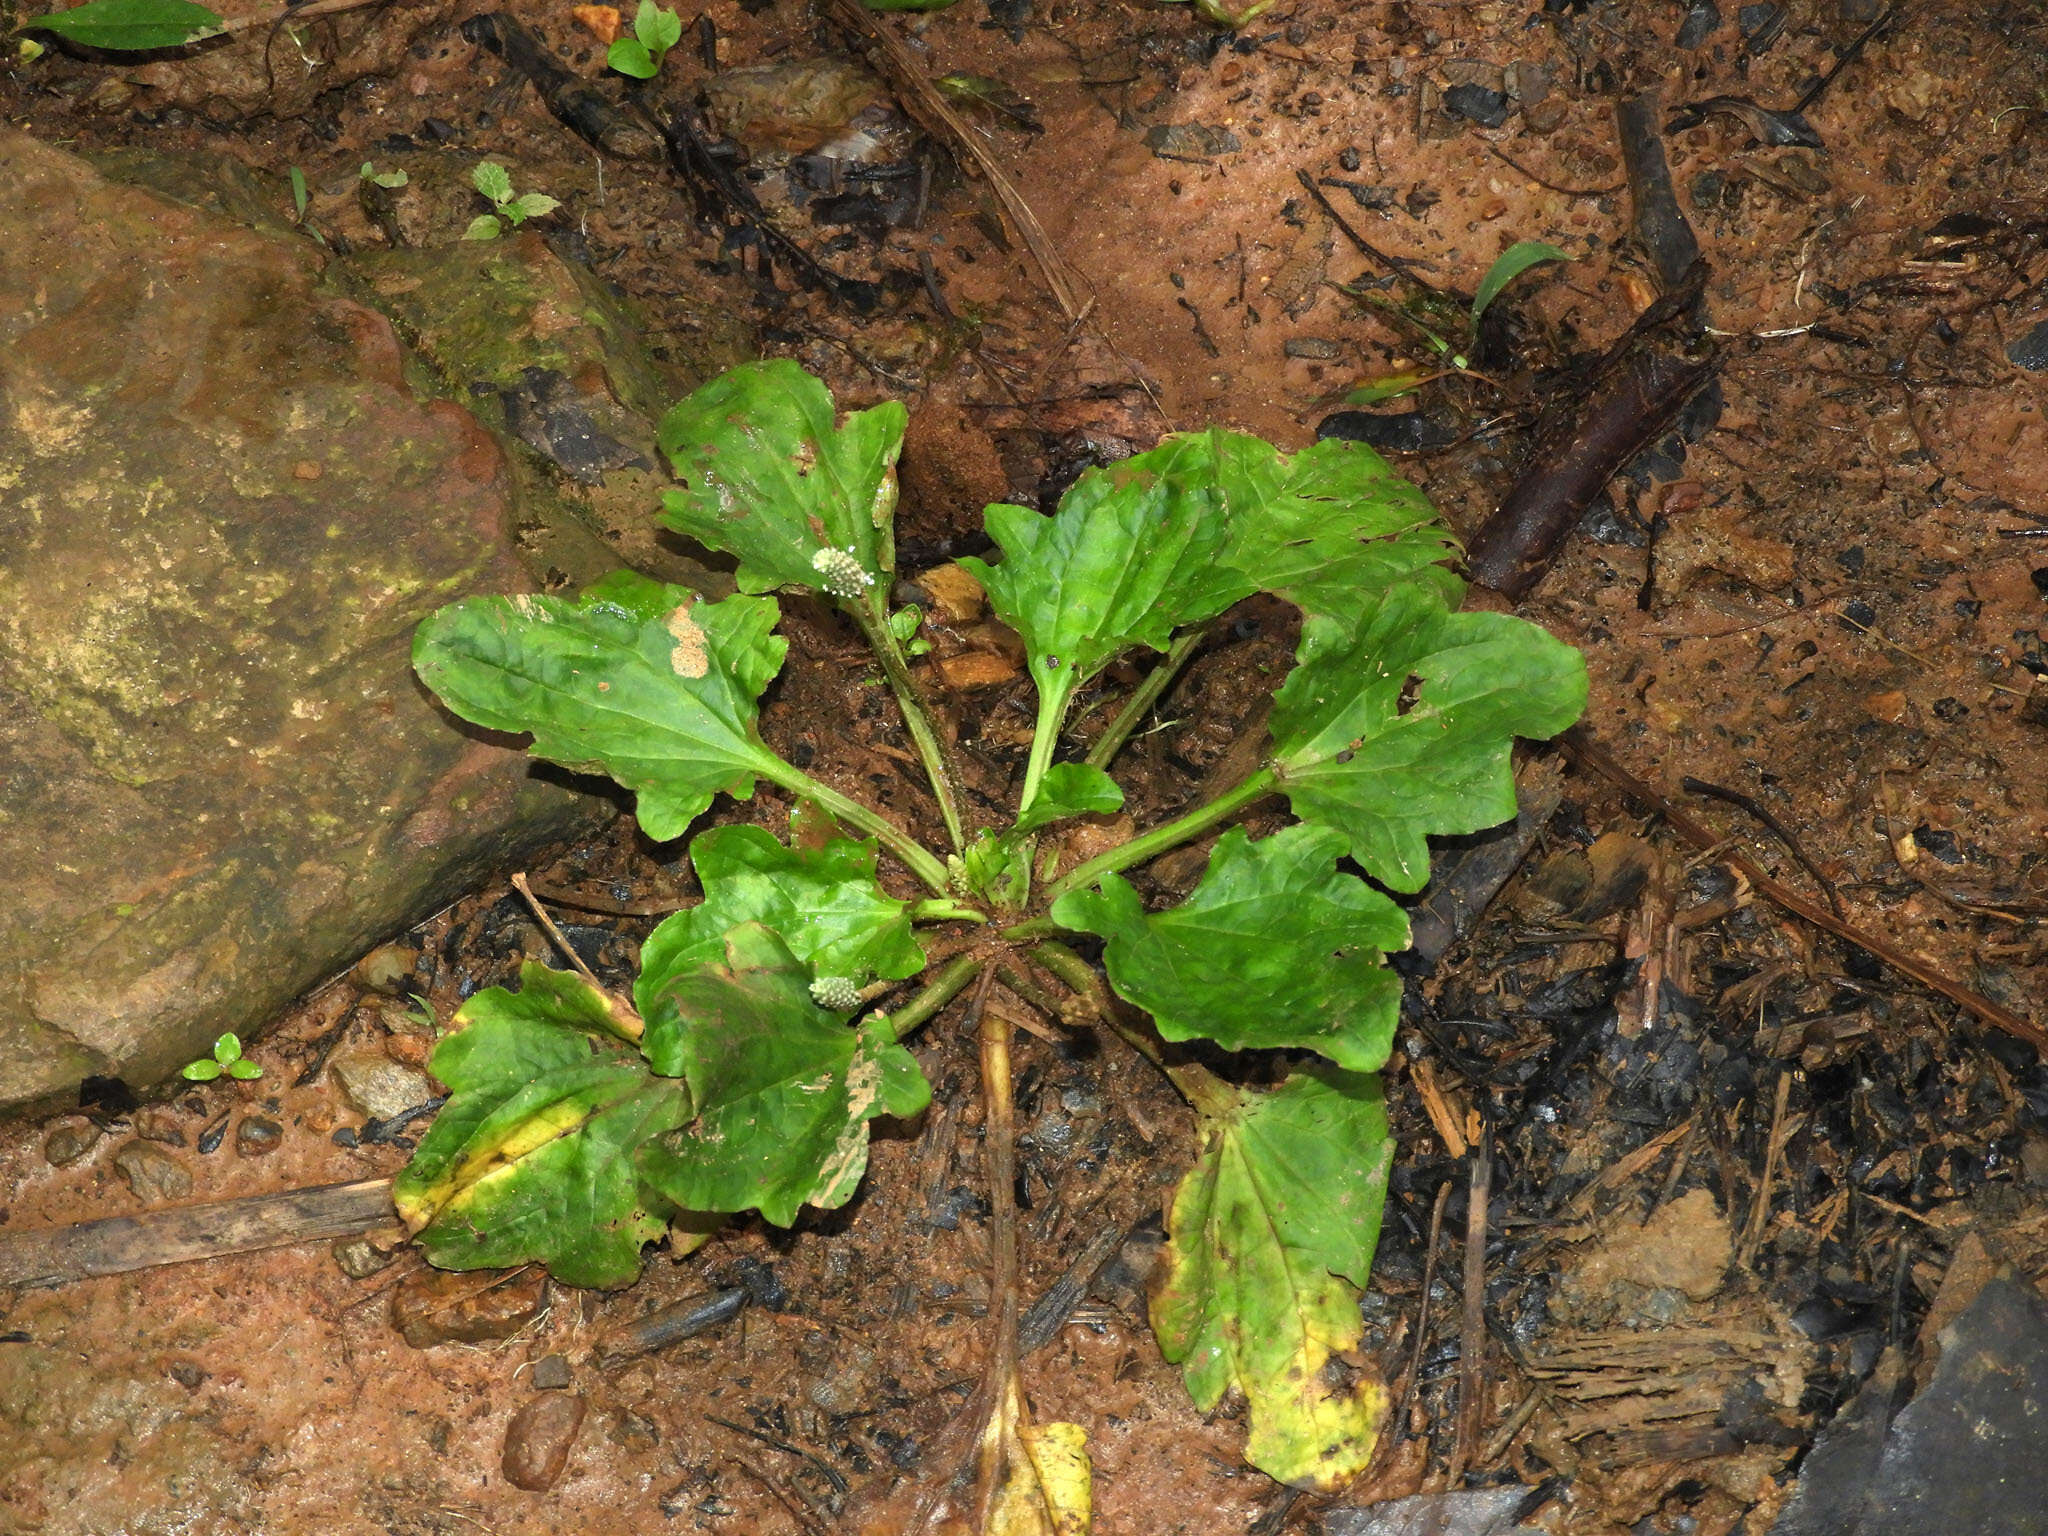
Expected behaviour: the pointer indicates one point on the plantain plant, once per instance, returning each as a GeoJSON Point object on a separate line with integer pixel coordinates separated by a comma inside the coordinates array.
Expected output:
{"type": "Point", "coordinates": [765, 1032]}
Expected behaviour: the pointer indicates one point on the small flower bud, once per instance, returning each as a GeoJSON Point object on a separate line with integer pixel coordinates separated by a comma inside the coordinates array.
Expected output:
{"type": "Point", "coordinates": [844, 576]}
{"type": "Point", "coordinates": [838, 993]}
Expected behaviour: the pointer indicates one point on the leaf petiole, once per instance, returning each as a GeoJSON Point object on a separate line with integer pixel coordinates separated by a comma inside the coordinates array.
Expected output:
{"type": "Point", "coordinates": [934, 995]}
{"type": "Point", "coordinates": [872, 615]}
{"type": "Point", "coordinates": [1156, 682]}
{"type": "Point", "coordinates": [1172, 834]}
{"type": "Point", "coordinates": [892, 837]}
{"type": "Point", "coordinates": [940, 910]}
{"type": "Point", "coordinates": [1045, 736]}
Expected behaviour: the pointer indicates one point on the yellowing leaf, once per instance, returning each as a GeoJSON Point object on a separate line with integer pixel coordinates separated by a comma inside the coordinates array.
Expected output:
{"type": "Point", "coordinates": [1270, 1243]}
{"type": "Point", "coordinates": [1048, 1485]}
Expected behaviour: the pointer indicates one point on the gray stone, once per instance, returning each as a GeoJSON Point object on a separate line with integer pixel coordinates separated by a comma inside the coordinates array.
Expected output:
{"type": "Point", "coordinates": [388, 969]}
{"type": "Point", "coordinates": [1318, 349]}
{"type": "Point", "coordinates": [155, 1175]}
{"type": "Point", "coordinates": [378, 1086]}
{"type": "Point", "coordinates": [2029, 351]}
{"type": "Point", "coordinates": [550, 1373]}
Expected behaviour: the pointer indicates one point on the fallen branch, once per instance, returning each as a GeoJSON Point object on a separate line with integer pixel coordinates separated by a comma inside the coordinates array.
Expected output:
{"type": "Point", "coordinates": [118, 1244]}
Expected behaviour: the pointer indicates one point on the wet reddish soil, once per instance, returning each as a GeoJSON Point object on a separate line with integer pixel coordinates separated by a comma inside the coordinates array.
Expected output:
{"type": "Point", "coordinates": [1734, 1156]}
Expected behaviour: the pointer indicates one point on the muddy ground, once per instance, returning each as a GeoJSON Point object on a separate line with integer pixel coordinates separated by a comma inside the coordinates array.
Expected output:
{"type": "Point", "coordinates": [1733, 1157]}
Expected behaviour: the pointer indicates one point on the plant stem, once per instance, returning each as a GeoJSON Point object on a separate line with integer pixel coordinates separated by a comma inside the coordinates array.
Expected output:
{"type": "Point", "coordinates": [1171, 834]}
{"type": "Point", "coordinates": [1036, 928]}
{"type": "Point", "coordinates": [1045, 736]}
{"type": "Point", "coordinates": [872, 615]}
{"type": "Point", "coordinates": [940, 910]}
{"type": "Point", "coordinates": [935, 994]}
{"type": "Point", "coordinates": [894, 838]}
{"type": "Point", "coordinates": [1194, 1082]}
{"type": "Point", "coordinates": [1156, 682]}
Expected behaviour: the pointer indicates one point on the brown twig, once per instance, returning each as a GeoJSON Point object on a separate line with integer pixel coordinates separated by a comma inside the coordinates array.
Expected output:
{"type": "Point", "coordinates": [1400, 266]}
{"type": "Point", "coordinates": [1513, 163]}
{"type": "Point", "coordinates": [1472, 1329]}
{"type": "Point", "coordinates": [285, 13]}
{"type": "Point", "coordinates": [1738, 799]}
{"type": "Point", "coordinates": [1774, 1150]}
{"type": "Point", "coordinates": [1589, 754]}
{"type": "Point", "coordinates": [921, 99]}
{"type": "Point", "coordinates": [1399, 1417]}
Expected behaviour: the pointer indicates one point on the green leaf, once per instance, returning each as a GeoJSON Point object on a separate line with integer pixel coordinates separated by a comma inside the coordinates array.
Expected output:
{"type": "Point", "coordinates": [244, 1069]}
{"type": "Point", "coordinates": [823, 902]}
{"type": "Point", "coordinates": [785, 1090]}
{"type": "Point", "coordinates": [128, 26]}
{"type": "Point", "coordinates": [1353, 752]}
{"type": "Point", "coordinates": [1509, 265]}
{"type": "Point", "coordinates": [493, 180]}
{"type": "Point", "coordinates": [227, 1048]}
{"type": "Point", "coordinates": [1274, 949]}
{"type": "Point", "coordinates": [204, 1070]}
{"type": "Point", "coordinates": [629, 56]}
{"type": "Point", "coordinates": [903, 622]}
{"type": "Point", "coordinates": [771, 475]}
{"type": "Point", "coordinates": [485, 226]}
{"type": "Point", "coordinates": [639, 680]}
{"type": "Point", "coordinates": [1071, 789]}
{"type": "Point", "coordinates": [1129, 557]}
{"type": "Point", "coordinates": [298, 178]}
{"type": "Point", "coordinates": [660, 30]}
{"type": "Point", "coordinates": [1271, 1236]}
{"type": "Point", "coordinates": [532, 1158]}
{"type": "Point", "coordinates": [1333, 527]}
{"type": "Point", "coordinates": [530, 205]}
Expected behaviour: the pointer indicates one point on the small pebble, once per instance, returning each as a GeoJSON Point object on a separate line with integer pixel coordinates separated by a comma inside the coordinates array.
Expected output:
{"type": "Point", "coordinates": [154, 1175]}
{"type": "Point", "coordinates": [631, 1431]}
{"type": "Point", "coordinates": [186, 1374]}
{"type": "Point", "coordinates": [538, 1439]}
{"type": "Point", "coordinates": [550, 1373]}
{"type": "Point", "coordinates": [257, 1136]}
{"type": "Point", "coordinates": [359, 1258]}
{"type": "Point", "coordinates": [210, 1138]}
{"type": "Point", "coordinates": [68, 1141]}
{"type": "Point", "coordinates": [1315, 348]}
{"type": "Point", "coordinates": [379, 1086]}
{"type": "Point", "coordinates": [434, 1306]}
{"type": "Point", "coordinates": [387, 969]}
{"type": "Point", "coordinates": [1477, 104]}
{"type": "Point", "coordinates": [159, 1123]}
{"type": "Point", "coordinates": [2031, 350]}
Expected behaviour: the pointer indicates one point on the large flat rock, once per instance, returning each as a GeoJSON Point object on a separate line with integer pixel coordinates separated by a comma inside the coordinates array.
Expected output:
{"type": "Point", "coordinates": [222, 512]}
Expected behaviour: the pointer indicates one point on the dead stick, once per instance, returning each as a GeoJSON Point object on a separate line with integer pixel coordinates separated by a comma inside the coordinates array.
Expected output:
{"type": "Point", "coordinates": [1583, 750]}
{"type": "Point", "coordinates": [1472, 1330]}
{"type": "Point", "coordinates": [118, 1244]}
{"type": "Point", "coordinates": [921, 99]}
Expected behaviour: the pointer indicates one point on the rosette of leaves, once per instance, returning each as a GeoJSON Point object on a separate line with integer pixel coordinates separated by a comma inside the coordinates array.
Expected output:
{"type": "Point", "coordinates": [743, 1072]}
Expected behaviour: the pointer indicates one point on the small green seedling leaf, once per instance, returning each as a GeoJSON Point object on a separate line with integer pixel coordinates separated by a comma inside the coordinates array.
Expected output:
{"type": "Point", "coordinates": [1071, 789]}
{"type": "Point", "coordinates": [660, 30]}
{"type": "Point", "coordinates": [1509, 265]}
{"type": "Point", "coordinates": [204, 1070]}
{"type": "Point", "coordinates": [642, 681]}
{"type": "Point", "coordinates": [529, 205]}
{"type": "Point", "coordinates": [771, 474]}
{"type": "Point", "coordinates": [784, 1089]}
{"type": "Point", "coordinates": [1354, 753]}
{"type": "Point", "coordinates": [532, 1157]}
{"type": "Point", "coordinates": [485, 226]}
{"type": "Point", "coordinates": [903, 623]}
{"type": "Point", "coordinates": [1392, 387]}
{"type": "Point", "coordinates": [299, 193]}
{"type": "Point", "coordinates": [493, 180]}
{"type": "Point", "coordinates": [1271, 1237]}
{"type": "Point", "coordinates": [391, 181]}
{"type": "Point", "coordinates": [130, 26]}
{"type": "Point", "coordinates": [27, 51]}
{"type": "Point", "coordinates": [823, 902]}
{"type": "Point", "coordinates": [630, 56]}
{"type": "Point", "coordinates": [1274, 949]}
{"type": "Point", "coordinates": [244, 1069]}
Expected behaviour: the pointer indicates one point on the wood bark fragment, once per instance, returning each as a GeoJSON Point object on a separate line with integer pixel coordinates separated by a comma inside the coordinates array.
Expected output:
{"type": "Point", "coordinates": [118, 1244]}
